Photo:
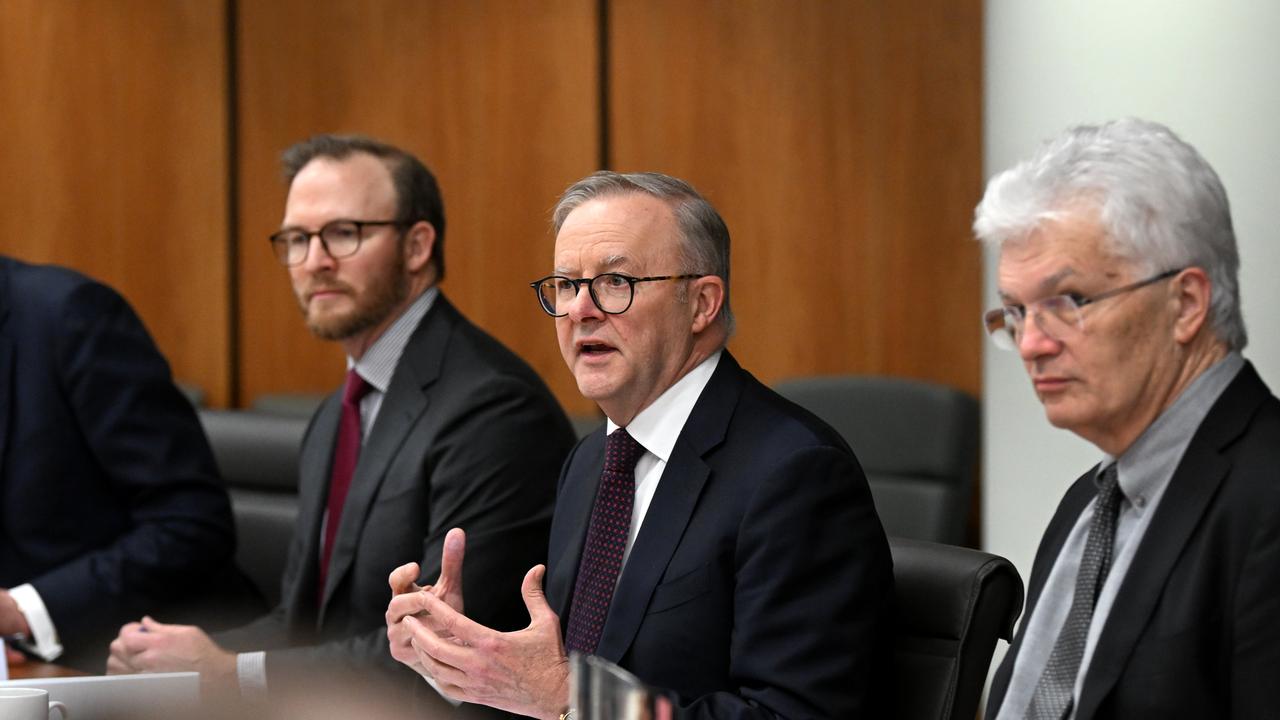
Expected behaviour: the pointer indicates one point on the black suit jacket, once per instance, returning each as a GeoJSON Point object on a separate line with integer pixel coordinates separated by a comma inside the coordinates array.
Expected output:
{"type": "Point", "coordinates": [760, 584]}
{"type": "Point", "coordinates": [1195, 628]}
{"type": "Point", "coordinates": [110, 503]}
{"type": "Point", "coordinates": [467, 436]}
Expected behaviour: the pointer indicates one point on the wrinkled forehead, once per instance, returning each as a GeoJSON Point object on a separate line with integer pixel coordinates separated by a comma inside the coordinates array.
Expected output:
{"type": "Point", "coordinates": [1070, 248]}
{"type": "Point", "coordinates": [633, 233]}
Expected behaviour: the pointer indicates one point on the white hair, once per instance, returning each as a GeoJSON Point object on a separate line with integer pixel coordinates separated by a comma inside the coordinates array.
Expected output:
{"type": "Point", "coordinates": [1159, 202]}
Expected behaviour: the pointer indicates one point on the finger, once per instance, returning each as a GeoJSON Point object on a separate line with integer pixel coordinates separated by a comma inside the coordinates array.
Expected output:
{"type": "Point", "coordinates": [440, 670]}
{"type": "Point", "coordinates": [402, 579]}
{"type": "Point", "coordinates": [444, 651]}
{"type": "Point", "coordinates": [405, 604]}
{"type": "Point", "coordinates": [448, 621]}
{"type": "Point", "coordinates": [132, 627]}
{"type": "Point", "coordinates": [137, 642]}
{"type": "Point", "coordinates": [455, 548]}
{"type": "Point", "coordinates": [116, 666]}
{"type": "Point", "coordinates": [535, 600]}
{"type": "Point", "coordinates": [149, 624]}
{"type": "Point", "coordinates": [13, 657]}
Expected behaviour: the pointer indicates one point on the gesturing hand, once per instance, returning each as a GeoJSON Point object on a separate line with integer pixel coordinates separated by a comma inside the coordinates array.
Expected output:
{"type": "Point", "coordinates": [525, 672]}
{"type": "Point", "coordinates": [405, 603]}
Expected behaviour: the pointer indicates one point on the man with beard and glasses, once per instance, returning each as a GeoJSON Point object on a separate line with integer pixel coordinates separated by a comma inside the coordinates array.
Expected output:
{"type": "Point", "coordinates": [437, 426]}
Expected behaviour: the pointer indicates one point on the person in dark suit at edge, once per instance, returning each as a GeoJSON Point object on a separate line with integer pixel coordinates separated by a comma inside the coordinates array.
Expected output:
{"type": "Point", "coordinates": [714, 539]}
{"type": "Point", "coordinates": [438, 425]}
{"type": "Point", "coordinates": [1155, 592]}
{"type": "Point", "coordinates": [110, 502]}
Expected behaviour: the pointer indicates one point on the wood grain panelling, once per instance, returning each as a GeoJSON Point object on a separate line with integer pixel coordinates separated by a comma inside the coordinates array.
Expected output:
{"type": "Point", "coordinates": [842, 143]}
{"type": "Point", "coordinates": [500, 99]}
{"type": "Point", "coordinates": [113, 160]}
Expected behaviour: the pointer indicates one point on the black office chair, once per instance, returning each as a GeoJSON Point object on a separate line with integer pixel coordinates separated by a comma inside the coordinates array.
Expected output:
{"type": "Point", "coordinates": [917, 442]}
{"type": "Point", "coordinates": [952, 604]}
{"type": "Point", "coordinates": [257, 454]}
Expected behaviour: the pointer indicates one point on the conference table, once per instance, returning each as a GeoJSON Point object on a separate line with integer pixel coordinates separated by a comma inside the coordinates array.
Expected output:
{"type": "Point", "coordinates": [31, 670]}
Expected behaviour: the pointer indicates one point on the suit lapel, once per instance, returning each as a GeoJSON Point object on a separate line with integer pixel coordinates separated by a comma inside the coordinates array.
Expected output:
{"type": "Point", "coordinates": [1073, 503]}
{"type": "Point", "coordinates": [403, 403]}
{"type": "Point", "coordinates": [1190, 491]}
{"type": "Point", "coordinates": [672, 506]}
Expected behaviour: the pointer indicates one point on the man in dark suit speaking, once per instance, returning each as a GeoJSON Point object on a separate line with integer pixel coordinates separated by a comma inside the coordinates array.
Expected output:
{"type": "Point", "coordinates": [713, 538]}
{"type": "Point", "coordinates": [110, 504]}
{"type": "Point", "coordinates": [1155, 592]}
{"type": "Point", "coordinates": [437, 426]}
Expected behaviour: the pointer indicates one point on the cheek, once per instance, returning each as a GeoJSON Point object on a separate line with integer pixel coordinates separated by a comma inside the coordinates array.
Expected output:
{"type": "Point", "coordinates": [564, 336]}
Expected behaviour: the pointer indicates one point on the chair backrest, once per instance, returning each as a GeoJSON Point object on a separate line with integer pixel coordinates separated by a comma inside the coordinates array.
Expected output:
{"type": "Point", "coordinates": [257, 454]}
{"type": "Point", "coordinates": [952, 605]}
{"type": "Point", "coordinates": [917, 442]}
{"type": "Point", "coordinates": [298, 405]}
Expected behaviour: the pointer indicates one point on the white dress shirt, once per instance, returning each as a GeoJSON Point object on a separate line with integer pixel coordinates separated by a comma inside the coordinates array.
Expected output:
{"type": "Point", "coordinates": [656, 429]}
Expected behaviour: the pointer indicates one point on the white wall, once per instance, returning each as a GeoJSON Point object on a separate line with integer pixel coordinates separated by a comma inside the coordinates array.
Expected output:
{"type": "Point", "coordinates": [1210, 69]}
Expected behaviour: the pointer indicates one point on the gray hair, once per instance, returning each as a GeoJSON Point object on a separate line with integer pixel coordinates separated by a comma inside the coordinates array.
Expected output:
{"type": "Point", "coordinates": [703, 233]}
{"type": "Point", "coordinates": [1159, 202]}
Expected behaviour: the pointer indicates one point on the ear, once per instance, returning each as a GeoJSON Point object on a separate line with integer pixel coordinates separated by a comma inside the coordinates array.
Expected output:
{"type": "Point", "coordinates": [706, 296]}
{"type": "Point", "coordinates": [1192, 291]}
{"type": "Point", "coordinates": [419, 244]}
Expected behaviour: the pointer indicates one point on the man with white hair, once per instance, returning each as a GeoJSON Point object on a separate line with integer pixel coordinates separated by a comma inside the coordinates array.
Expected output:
{"type": "Point", "coordinates": [1156, 588]}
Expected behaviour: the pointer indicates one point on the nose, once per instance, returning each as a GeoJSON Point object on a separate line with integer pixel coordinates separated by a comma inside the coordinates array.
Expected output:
{"type": "Point", "coordinates": [1033, 341]}
{"type": "Point", "coordinates": [583, 306]}
{"type": "Point", "coordinates": [318, 258]}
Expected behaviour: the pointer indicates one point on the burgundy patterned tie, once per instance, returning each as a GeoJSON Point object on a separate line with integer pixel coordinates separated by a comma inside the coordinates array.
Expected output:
{"type": "Point", "coordinates": [345, 453]}
{"type": "Point", "coordinates": [606, 542]}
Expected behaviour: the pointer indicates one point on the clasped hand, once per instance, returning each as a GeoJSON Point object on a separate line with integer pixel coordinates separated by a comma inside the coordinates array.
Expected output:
{"type": "Point", "coordinates": [150, 646]}
{"type": "Point", "coordinates": [524, 672]}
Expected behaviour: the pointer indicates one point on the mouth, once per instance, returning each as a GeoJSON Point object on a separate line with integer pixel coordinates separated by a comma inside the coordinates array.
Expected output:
{"type": "Point", "coordinates": [1050, 384]}
{"type": "Point", "coordinates": [322, 293]}
{"type": "Point", "coordinates": [594, 348]}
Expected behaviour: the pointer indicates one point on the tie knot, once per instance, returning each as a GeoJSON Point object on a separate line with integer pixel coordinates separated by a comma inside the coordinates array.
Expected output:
{"type": "Point", "coordinates": [621, 451]}
{"type": "Point", "coordinates": [1108, 484]}
{"type": "Point", "coordinates": [356, 388]}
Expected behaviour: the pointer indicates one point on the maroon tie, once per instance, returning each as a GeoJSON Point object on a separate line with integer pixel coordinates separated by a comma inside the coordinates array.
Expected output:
{"type": "Point", "coordinates": [345, 453]}
{"type": "Point", "coordinates": [606, 542]}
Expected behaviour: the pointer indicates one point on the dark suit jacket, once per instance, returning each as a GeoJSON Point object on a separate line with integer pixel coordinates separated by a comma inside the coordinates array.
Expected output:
{"type": "Point", "coordinates": [110, 503]}
{"type": "Point", "coordinates": [1195, 629]}
{"type": "Point", "coordinates": [467, 436]}
{"type": "Point", "coordinates": [760, 584]}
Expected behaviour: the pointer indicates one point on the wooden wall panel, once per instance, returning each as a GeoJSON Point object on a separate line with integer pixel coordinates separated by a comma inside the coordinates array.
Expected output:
{"type": "Point", "coordinates": [842, 143]}
{"type": "Point", "coordinates": [502, 104]}
{"type": "Point", "coordinates": [113, 160]}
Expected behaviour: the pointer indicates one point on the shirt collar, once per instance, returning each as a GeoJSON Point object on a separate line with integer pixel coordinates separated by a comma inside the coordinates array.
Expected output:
{"type": "Point", "coordinates": [657, 426]}
{"type": "Point", "coordinates": [378, 364]}
{"type": "Point", "coordinates": [1146, 468]}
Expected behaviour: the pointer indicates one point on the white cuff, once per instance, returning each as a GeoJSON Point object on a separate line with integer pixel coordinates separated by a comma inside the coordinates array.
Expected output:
{"type": "Point", "coordinates": [251, 670]}
{"type": "Point", "coordinates": [44, 636]}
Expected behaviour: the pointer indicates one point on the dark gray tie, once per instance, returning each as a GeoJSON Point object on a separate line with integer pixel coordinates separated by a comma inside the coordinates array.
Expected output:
{"type": "Point", "coordinates": [1052, 698]}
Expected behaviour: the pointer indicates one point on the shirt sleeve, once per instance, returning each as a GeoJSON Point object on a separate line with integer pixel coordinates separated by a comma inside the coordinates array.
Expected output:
{"type": "Point", "coordinates": [251, 671]}
{"type": "Point", "coordinates": [44, 636]}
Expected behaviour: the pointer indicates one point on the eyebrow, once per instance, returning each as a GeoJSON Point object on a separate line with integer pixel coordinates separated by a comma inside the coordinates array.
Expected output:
{"type": "Point", "coordinates": [1045, 285]}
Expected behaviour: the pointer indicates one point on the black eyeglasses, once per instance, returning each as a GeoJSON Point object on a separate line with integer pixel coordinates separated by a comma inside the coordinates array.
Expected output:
{"type": "Point", "coordinates": [339, 238]}
{"type": "Point", "coordinates": [611, 292]}
{"type": "Point", "coordinates": [1059, 315]}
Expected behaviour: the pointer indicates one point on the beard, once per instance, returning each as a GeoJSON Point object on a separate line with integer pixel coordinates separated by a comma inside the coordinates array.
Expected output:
{"type": "Point", "coordinates": [382, 295]}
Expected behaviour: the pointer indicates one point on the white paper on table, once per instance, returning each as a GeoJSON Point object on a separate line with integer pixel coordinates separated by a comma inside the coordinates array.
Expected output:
{"type": "Point", "coordinates": [4, 663]}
